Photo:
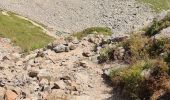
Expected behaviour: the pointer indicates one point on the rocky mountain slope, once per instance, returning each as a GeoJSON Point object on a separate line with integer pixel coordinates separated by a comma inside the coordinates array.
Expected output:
{"type": "Point", "coordinates": [76, 15]}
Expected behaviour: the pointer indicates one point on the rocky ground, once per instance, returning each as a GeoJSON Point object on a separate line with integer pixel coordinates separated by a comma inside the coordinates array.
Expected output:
{"type": "Point", "coordinates": [64, 70]}
{"type": "Point", "coordinates": [75, 15]}
{"type": "Point", "coordinates": [67, 69]}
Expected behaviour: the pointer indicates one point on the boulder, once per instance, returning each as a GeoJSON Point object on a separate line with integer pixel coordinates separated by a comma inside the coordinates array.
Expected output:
{"type": "Point", "coordinates": [60, 48]}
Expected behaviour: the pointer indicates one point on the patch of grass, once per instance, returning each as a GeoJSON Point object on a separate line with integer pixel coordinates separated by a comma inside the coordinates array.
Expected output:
{"type": "Point", "coordinates": [132, 79]}
{"type": "Point", "coordinates": [157, 26]}
{"type": "Point", "coordinates": [135, 47]}
{"type": "Point", "coordinates": [93, 30]}
{"type": "Point", "coordinates": [158, 5]}
{"type": "Point", "coordinates": [106, 54]}
{"type": "Point", "coordinates": [23, 33]}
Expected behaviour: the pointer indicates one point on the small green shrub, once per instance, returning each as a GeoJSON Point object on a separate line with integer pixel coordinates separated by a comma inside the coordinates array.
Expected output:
{"type": "Point", "coordinates": [156, 47]}
{"type": "Point", "coordinates": [167, 58]}
{"type": "Point", "coordinates": [135, 47]}
{"type": "Point", "coordinates": [132, 79]}
{"type": "Point", "coordinates": [93, 30]}
{"type": "Point", "coordinates": [105, 54]}
{"type": "Point", "coordinates": [157, 26]}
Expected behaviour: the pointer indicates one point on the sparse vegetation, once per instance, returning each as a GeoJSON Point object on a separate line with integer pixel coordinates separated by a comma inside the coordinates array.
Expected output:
{"type": "Point", "coordinates": [93, 30]}
{"type": "Point", "coordinates": [157, 26]}
{"type": "Point", "coordinates": [148, 71]}
{"type": "Point", "coordinates": [158, 5]}
{"type": "Point", "coordinates": [135, 47]}
{"type": "Point", "coordinates": [23, 33]}
{"type": "Point", "coordinates": [106, 54]}
{"type": "Point", "coordinates": [133, 79]}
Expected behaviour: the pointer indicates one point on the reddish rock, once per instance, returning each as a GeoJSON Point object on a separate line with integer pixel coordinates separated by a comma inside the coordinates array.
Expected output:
{"type": "Point", "coordinates": [10, 95]}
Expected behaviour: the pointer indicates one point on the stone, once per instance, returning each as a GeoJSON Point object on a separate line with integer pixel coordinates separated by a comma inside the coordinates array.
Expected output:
{"type": "Point", "coordinates": [7, 57]}
{"type": "Point", "coordinates": [40, 54]}
{"type": "Point", "coordinates": [2, 92]}
{"type": "Point", "coordinates": [72, 46]}
{"type": "Point", "coordinates": [119, 53]}
{"type": "Point", "coordinates": [81, 78]}
{"type": "Point", "coordinates": [32, 74]}
{"type": "Point", "coordinates": [59, 85]}
{"type": "Point", "coordinates": [82, 97]}
{"type": "Point", "coordinates": [44, 74]}
{"type": "Point", "coordinates": [16, 55]}
{"type": "Point", "coordinates": [84, 64]}
{"type": "Point", "coordinates": [6, 40]}
{"type": "Point", "coordinates": [146, 73]}
{"type": "Point", "coordinates": [107, 71]}
{"type": "Point", "coordinates": [30, 56]}
{"type": "Point", "coordinates": [87, 53]}
{"type": "Point", "coordinates": [119, 37]}
{"type": "Point", "coordinates": [165, 33]}
{"type": "Point", "coordinates": [44, 81]}
{"type": "Point", "coordinates": [19, 63]}
{"type": "Point", "coordinates": [75, 40]}
{"type": "Point", "coordinates": [67, 49]}
{"type": "Point", "coordinates": [10, 95]}
{"type": "Point", "coordinates": [56, 95]}
{"type": "Point", "coordinates": [60, 48]}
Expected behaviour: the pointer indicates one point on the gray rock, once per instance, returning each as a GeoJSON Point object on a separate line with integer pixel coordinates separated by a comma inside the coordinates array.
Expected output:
{"type": "Point", "coordinates": [119, 37]}
{"type": "Point", "coordinates": [72, 46]}
{"type": "Point", "coordinates": [32, 74]}
{"type": "Point", "coordinates": [44, 74]}
{"type": "Point", "coordinates": [119, 53]}
{"type": "Point", "coordinates": [59, 85]}
{"type": "Point", "coordinates": [60, 48]}
{"type": "Point", "coordinates": [165, 33]}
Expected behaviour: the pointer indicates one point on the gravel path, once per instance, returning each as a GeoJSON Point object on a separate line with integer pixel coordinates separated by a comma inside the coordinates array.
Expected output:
{"type": "Point", "coordinates": [75, 15]}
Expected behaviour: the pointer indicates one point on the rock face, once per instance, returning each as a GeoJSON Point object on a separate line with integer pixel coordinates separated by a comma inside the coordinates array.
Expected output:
{"type": "Point", "coordinates": [74, 15]}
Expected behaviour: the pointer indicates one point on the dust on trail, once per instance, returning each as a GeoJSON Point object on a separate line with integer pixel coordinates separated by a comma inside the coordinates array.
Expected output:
{"type": "Point", "coordinates": [75, 15]}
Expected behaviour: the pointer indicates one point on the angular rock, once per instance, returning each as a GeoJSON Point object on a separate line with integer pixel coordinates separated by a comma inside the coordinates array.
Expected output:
{"type": "Point", "coordinates": [32, 74]}
{"type": "Point", "coordinates": [119, 53]}
{"type": "Point", "coordinates": [60, 48]}
{"type": "Point", "coordinates": [59, 85]}
{"type": "Point", "coordinates": [119, 37]}
{"type": "Point", "coordinates": [72, 46]}
{"type": "Point", "coordinates": [10, 95]}
{"type": "Point", "coordinates": [44, 74]}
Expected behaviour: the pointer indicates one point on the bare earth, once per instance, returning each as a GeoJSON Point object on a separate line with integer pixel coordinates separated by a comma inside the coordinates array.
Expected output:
{"type": "Point", "coordinates": [75, 15]}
